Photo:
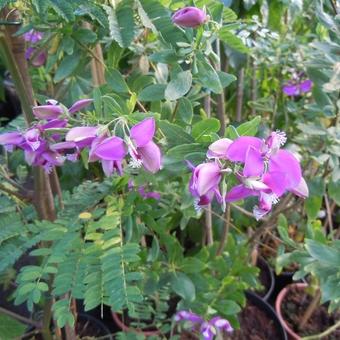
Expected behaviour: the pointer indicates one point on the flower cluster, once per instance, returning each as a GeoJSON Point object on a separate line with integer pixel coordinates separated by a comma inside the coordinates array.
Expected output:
{"type": "Point", "coordinates": [208, 329]}
{"type": "Point", "coordinates": [297, 85]}
{"type": "Point", "coordinates": [37, 58]}
{"type": "Point", "coordinates": [46, 144]}
{"type": "Point", "coordinates": [261, 167]}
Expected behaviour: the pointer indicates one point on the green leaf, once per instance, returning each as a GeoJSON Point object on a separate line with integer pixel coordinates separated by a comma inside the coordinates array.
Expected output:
{"type": "Point", "coordinates": [232, 40]}
{"type": "Point", "coordinates": [192, 265]}
{"type": "Point", "coordinates": [205, 126]}
{"type": "Point", "coordinates": [67, 67]}
{"type": "Point", "coordinates": [183, 286]}
{"type": "Point", "coordinates": [84, 35]}
{"type": "Point", "coordinates": [323, 253]}
{"type": "Point", "coordinates": [207, 76]}
{"type": "Point", "coordinates": [179, 85]}
{"type": "Point", "coordinates": [334, 191]}
{"type": "Point", "coordinates": [181, 151]}
{"type": "Point", "coordinates": [175, 135]}
{"type": "Point", "coordinates": [154, 251]}
{"type": "Point", "coordinates": [313, 206]}
{"type": "Point", "coordinates": [152, 93]}
{"type": "Point", "coordinates": [246, 129]}
{"type": "Point", "coordinates": [121, 23]}
{"type": "Point", "coordinates": [10, 328]}
{"type": "Point", "coordinates": [225, 78]}
{"type": "Point", "coordinates": [116, 81]}
{"type": "Point", "coordinates": [185, 110]}
{"type": "Point", "coordinates": [63, 8]}
{"type": "Point", "coordinates": [228, 307]}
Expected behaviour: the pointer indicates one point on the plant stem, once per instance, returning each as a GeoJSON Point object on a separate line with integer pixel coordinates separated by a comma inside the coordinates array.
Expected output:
{"type": "Point", "coordinates": [310, 310]}
{"type": "Point", "coordinates": [220, 97]}
{"type": "Point", "coordinates": [253, 85]}
{"type": "Point", "coordinates": [20, 318]}
{"type": "Point", "coordinates": [14, 193]}
{"type": "Point", "coordinates": [208, 215]}
{"type": "Point", "coordinates": [239, 96]}
{"type": "Point", "coordinates": [323, 334]}
{"type": "Point", "coordinates": [225, 232]}
{"type": "Point", "coordinates": [329, 216]}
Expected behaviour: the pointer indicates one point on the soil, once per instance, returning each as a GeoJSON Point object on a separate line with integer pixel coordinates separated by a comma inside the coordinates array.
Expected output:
{"type": "Point", "coordinates": [255, 324]}
{"type": "Point", "coordinates": [294, 305]}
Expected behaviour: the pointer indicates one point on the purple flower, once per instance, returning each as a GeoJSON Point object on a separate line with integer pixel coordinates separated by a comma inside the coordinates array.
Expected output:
{"type": "Point", "coordinates": [151, 194]}
{"type": "Point", "coordinates": [142, 149]}
{"type": "Point", "coordinates": [33, 36]}
{"type": "Point", "coordinates": [296, 87]}
{"type": "Point", "coordinates": [208, 329]}
{"type": "Point", "coordinates": [204, 182]}
{"type": "Point", "coordinates": [184, 315]}
{"type": "Point", "coordinates": [82, 135]}
{"type": "Point", "coordinates": [11, 139]}
{"type": "Point", "coordinates": [47, 112]}
{"type": "Point", "coordinates": [189, 17]}
{"type": "Point", "coordinates": [219, 148]}
{"type": "Point", "coordinates": [268, 171]}
{"type": "Point", "coordinates": [110, 151]}
{"type": "Point", "coordinates": [69, 149]}
{"type": "Point", "coordinates": [80, 104]}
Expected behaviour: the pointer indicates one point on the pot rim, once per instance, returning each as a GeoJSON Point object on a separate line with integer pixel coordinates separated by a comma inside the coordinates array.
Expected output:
{"type": "Point", "coordinates": [272, 279]}
{"type": "Point", "coordinates": [278, 304]}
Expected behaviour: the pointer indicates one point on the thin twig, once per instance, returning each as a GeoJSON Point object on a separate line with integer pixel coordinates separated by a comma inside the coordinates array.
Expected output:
{"type": "Point", "coordinates": [208, 226]}
{"type": "Point", "coordinates": [20, 318]}
{"type": "Point", "coordinates": [329, 216]}
{"type": "Point", "coordinates": [14, 193]}
{"type": "Point", "coordinates": [323, 334]}
{"type": "Point", "coordinates": [239, 96]}
{"type": "Point", "coordinates": [225, 232]}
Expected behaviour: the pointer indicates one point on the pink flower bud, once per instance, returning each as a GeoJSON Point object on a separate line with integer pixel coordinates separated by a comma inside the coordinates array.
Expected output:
{"type": "Point", "coordinates": [189, 17]}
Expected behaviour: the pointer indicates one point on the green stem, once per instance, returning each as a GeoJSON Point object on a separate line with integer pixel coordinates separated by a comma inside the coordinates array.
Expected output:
{"type": "Point", "coordinates": [323, 334]}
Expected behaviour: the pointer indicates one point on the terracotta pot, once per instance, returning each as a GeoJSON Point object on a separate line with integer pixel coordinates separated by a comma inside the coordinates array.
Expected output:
{"type": "Point", "coordinates": [125, 328]}
{"type": "Point", "coordinates": [278, 304]}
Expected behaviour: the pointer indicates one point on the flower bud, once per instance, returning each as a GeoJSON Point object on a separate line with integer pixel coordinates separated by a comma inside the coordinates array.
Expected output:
{"type": "Point", "coordinates": [189, 17]}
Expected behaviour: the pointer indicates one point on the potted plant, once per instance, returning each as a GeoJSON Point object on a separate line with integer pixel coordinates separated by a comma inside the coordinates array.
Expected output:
{"type": "Point", "coordinates": [310, 310]}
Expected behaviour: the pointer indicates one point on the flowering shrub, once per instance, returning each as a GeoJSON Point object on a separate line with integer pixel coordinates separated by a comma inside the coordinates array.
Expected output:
{"type": "Point", "coordinates": [151, 192]}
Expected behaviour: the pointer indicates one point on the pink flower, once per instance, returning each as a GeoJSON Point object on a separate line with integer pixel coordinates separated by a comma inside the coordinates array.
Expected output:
{"type": "Point", "coordinates": [79, 105]}
{"type": "Point", "coordinates": [142, 149]}
{"type": "Point", "coordinates": [204, 183]}
{"type": "Point", "coordinates": [189, 17]}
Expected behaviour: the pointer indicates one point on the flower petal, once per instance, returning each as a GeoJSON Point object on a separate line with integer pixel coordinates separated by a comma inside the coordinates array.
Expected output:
{"type": "Point", "coordinates": [80, 104]}
{"type": "Point", "coordinates": [284, 161]}
{"type": "Point", "coordinates": [277, 182]}
{"type": "Point", "coordinates": [47, 111]}
{"type": "Point", "coordinates": [254, 163]}
{"type": "Point", "coordinates": [219, 148]}
{"type": "Point", "coordinates": [306, 86]}
{"type": "Point", "coordinates": [290, 90]}
{"type": "Point", "coordinates": [237, 151]}
{"type": "Point", "coordinates": [151, 157]}
{"type": "Point", "coordinates": [11, 138]}
{"type": "Point", "coordinates": [189, 17]}
{"type": "Point", "coordinates": [143, 132]}
{"type": "Point", "coordinates": [301, 189]}
{"type": "Point", "coordinates": [206, 177]}
{"type": "Point", "coordinates": [239, 192]}
{"type": "Point", "coordinates": [111, 149]}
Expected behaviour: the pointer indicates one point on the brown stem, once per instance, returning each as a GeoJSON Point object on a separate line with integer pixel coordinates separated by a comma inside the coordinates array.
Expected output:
{"type": "Point", "coordinates": [253, 86]}
{"type": "Point", "coordinates": [17, 194]}
{"type": "Point", "coordinates": [207, 105]}
{"type": "Point", "coordinates": [20, 318]}
{"type": "Point", "coordinates": [225, 232]}
{"type": "Point", "coordinates": [208, 226]}
{"type": "Point", "coordinates": [97, 62]}
{"type": "Point", "coordinates": [310, 310]}
{"type": "Point", "coordinates": [220, 97]}
{"type": "Point", "coordinates": [55, 186]}
{"type": "Point", "coordinates": [239, 95]}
